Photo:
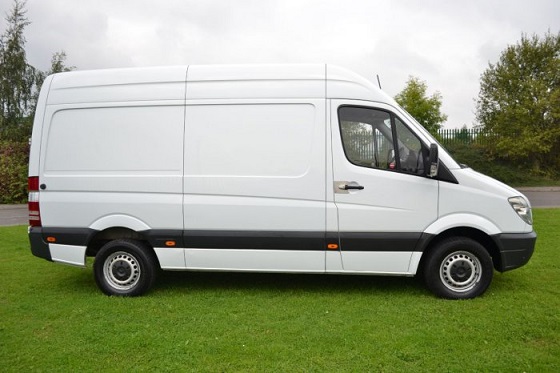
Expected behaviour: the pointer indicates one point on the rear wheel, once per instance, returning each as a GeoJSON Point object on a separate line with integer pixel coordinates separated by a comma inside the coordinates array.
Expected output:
{"type": "Point", "coordinates": [458, 268]}
{"type": "Point", "coordinates": [125, 268]}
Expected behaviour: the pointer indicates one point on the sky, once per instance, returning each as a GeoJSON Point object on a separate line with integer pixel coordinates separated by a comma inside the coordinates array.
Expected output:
{"type": "Point", "coordinates": [446, 43]}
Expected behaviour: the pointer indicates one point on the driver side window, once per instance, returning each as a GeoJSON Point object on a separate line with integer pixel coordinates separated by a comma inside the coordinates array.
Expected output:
{"type": "Point", "coordinates": [367, 137]}
{"type": "Point", "coordinates": [377, 139]}
{"type": "Point", "coordinates": [411, 152]}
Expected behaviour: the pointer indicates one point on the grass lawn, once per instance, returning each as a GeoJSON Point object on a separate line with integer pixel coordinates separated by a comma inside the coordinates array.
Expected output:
{"type": "Point", "coordinates": [53, 318]}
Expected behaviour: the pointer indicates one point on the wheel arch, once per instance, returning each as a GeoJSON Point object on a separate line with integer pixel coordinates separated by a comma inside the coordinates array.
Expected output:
{"type": "Point", "coordinates": [118, 226]}
{"type": "Point", "coordinates": [116, 233]}
{"type": "Point", "coordinates": [469, 232]}
{"type": "Point", "coordinates": [119, 220]}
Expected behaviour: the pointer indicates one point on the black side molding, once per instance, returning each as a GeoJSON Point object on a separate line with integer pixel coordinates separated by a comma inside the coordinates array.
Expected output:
{"type": "Point", "coordinates": [263, 240]}
{"type": "Point", "coordinates": [69, 236]}
{"type": "Point", "coordinates": [248, 240]}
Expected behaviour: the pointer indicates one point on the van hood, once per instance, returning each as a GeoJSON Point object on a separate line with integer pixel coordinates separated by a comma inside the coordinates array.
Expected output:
{"type": "Point", "coordinates": [473, 179]}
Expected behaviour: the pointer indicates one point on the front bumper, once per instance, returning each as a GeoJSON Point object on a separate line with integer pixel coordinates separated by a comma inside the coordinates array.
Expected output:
{"type": "Point", "coordinates": [515, 249]}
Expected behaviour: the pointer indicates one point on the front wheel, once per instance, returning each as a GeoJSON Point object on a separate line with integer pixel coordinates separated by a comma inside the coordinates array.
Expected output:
{"type": "Point", "coordinates": [458, 268]}
{"type": "Point", "coordinates": [124, 267]}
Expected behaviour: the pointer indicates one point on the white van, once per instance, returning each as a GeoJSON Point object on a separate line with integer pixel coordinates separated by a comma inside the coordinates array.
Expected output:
{"type": "Point", "coordinates": [266, 168]}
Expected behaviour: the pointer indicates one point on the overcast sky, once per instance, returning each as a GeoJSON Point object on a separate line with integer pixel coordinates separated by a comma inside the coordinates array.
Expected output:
{"type": "Point", "coordinates": [446, 43]}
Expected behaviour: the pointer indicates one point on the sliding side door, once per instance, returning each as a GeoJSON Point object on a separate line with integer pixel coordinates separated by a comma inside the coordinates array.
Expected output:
{"type": "Point", "coordinates": [254, 185]}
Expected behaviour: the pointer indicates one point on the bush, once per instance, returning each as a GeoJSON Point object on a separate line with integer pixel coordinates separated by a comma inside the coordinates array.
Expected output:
{"type": "Point", "coordinates": [479, 158]}
{"type": "Point", "coordinates": [14, 157]}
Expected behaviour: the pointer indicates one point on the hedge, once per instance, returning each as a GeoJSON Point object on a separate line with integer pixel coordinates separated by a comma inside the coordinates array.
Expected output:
{"type": "Point", "coordinates": [14, 157]}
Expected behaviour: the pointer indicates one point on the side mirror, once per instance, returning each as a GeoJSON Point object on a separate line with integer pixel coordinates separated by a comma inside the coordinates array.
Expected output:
{"type": "Point", "coordinates": [433, 161]}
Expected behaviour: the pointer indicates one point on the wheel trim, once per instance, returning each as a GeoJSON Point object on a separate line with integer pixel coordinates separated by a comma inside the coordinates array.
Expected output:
{"type": "Point", "coordinates": [121, 270]}
{"type": "Point", "coordinates": [460, 271]}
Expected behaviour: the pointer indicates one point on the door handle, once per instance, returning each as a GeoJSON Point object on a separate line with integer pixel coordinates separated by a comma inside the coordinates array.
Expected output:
{"type": "Point", "coordinates": [349, 187]}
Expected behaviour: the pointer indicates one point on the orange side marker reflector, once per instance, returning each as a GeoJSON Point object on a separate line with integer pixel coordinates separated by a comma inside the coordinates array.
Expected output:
{"type": "Point", "coordinates": [332, 246]}
{"type": "Point", "coordinates": [51, 239]}
{"type": "Point", "coordinates": [169, 243]}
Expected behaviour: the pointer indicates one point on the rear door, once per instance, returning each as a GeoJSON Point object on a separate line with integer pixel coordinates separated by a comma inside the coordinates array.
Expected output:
{"type": "Point", "coordinates": [384, 201]}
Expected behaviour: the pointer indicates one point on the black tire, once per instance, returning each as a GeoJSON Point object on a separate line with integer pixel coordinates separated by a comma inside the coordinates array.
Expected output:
{"type": "Point", "coordinates": [125, 267]}
{"type": "Point", "coordinates": [458, 268]}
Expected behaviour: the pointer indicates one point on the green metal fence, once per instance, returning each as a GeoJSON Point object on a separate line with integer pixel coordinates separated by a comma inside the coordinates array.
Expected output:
{"type": "Point", "coordinates": [361, 143]}
{"type": "Point", "coordinates": [465, 136]}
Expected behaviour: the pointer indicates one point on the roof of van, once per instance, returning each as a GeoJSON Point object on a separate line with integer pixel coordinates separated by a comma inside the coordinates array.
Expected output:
{"type": "Point", "coordinates": [206, 82]}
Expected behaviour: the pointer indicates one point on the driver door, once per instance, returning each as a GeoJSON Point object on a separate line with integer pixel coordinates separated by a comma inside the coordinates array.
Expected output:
{"type": "Point", "coordinates": [384, 201]}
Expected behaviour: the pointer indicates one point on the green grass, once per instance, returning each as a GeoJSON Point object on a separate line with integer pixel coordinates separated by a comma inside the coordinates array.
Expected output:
{"type": "Point", "coordinates": [53, 318]}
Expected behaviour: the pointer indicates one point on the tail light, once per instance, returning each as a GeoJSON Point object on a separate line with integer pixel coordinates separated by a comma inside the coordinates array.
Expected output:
{"type": "Point", "coordinates": [33, 201]}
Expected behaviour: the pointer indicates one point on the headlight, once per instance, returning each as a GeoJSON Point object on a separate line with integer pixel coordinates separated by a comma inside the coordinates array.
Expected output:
{"type": "Point", "coordinates": [521, 206]}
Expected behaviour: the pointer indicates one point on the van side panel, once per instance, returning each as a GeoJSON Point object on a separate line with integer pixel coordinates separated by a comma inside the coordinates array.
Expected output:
{"type": "Point", "coordinates": [115, 141]}
{"type": "Point", "coordinates": [125, 160]}
{"type": "Point", "coordinates": [256, 170]}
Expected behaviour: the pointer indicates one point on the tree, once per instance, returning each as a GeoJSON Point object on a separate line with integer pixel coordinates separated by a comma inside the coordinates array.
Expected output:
{"type": "Point", "coordinates": [426, 110]}
{"type": "Point", "coordinates": [58, 65]}
{"type": "Point", "coordinates": [17, 77]}
{"type": "Point", "coordinates": [519, 102]}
